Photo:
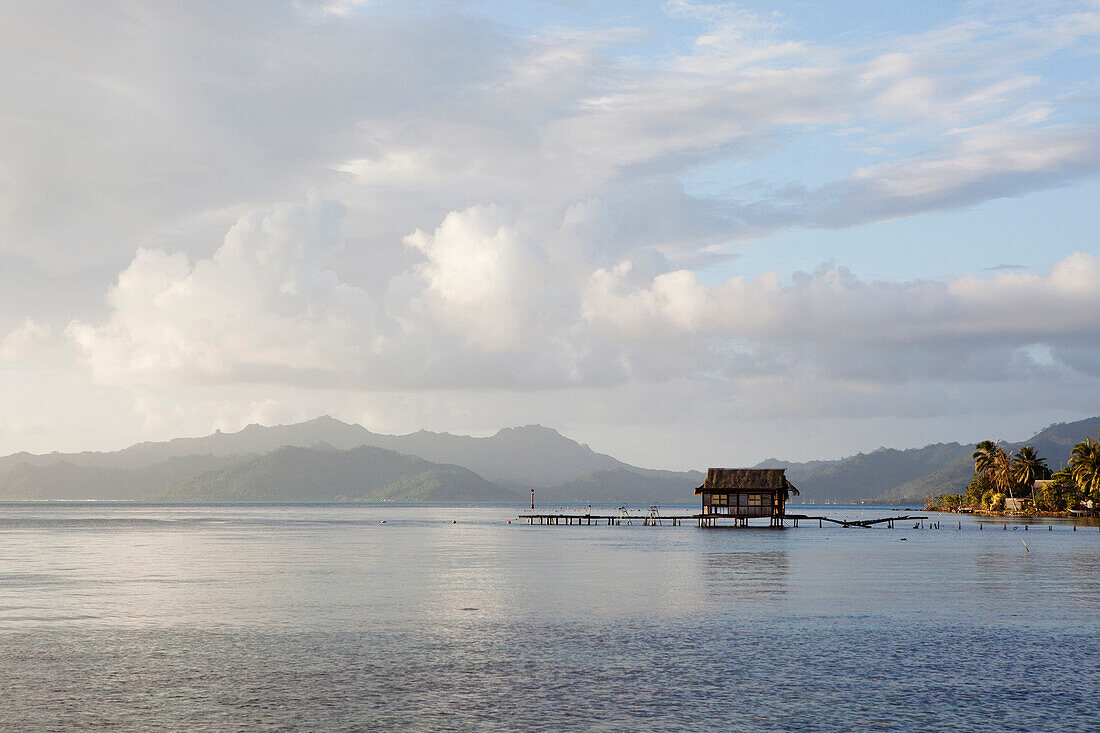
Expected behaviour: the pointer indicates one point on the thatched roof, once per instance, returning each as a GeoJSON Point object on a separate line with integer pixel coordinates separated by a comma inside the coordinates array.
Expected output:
{"type": "Point", "coordinates": [746, 479]}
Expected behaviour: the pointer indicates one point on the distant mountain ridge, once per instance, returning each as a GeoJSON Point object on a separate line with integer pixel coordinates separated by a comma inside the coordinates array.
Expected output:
{"type": "Point", "coordinates": [513, 460]}
{"type": "Point", "coordinates": [528, 456]}
{"type": "Point", "coordinates": [911, 475]}
{"type": "Point", "coordinates": [250, 440]}
{"type": "Point", "coordinates": [327, 474]}
{"type": "Point", "coordinates": [869, 475]}
{"type": "Point", "coordinates": [621, 484]}
{"type": "Point", "coordinates": [66, 480]}
{"type": "Point", "coordinates": [427, 466]}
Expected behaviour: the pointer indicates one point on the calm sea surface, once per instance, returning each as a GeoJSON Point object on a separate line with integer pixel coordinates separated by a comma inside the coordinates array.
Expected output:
{"type": "Point", "coordinates": [321, 617]}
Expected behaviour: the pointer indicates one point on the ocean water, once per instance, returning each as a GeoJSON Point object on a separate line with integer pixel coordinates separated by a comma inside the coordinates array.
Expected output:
{"type": "Point", "coordinates": [322, 617]}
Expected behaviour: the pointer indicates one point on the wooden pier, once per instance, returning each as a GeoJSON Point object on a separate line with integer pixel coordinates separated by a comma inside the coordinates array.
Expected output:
{"type": "Point", "coordinates": [731, 496]}
{"type": "Point", "coordinates": [608, 519]}
{"type": "Point", "coordinates": [653, 519]}
{"type": "Point", "coordinates": [865, 523]}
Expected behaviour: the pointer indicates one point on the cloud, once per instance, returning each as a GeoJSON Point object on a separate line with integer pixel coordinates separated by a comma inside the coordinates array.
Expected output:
{"type": "Point", "coordinates": [1004, 266]}
{"type": "Point", "coordinates": [832, 325]}
{"type": "Point", "coordinates": [478, 309]}
{"type": "Point", "coordinates": [529, 209]}
{"type": "Point", "coordinates": [491, 306]}
{"type": "Point", "coordinates": [132, 138]}
{"type": "Point", "coordinates": [975, 166]}
{"type": "Point", "coordinates": [25, 342]}
{"type": "Point", "coordinates": [482, 276]}
{"type": "Point", "coordinates": [150, 118]}
{"type": "Point", "coordinates": [323, 8]}
{"type": "Point", "coordinates": [263, 307]}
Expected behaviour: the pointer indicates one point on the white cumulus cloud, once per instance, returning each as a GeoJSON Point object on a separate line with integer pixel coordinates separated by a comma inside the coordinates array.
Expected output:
{"type": "Point", "coordinates": [263, 307]}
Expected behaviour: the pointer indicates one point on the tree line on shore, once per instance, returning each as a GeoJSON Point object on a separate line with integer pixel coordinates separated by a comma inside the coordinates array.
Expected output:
{"type": "Point", "coordinates": [1000, 475]}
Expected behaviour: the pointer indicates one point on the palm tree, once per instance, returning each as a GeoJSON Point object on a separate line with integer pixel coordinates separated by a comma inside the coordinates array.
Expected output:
{"type": "Point", "coordinates": [1027, 466]}
{"type": "Point", "coordinates": [1002, 472]}
{"type": "Point", "coordinates": [1084, 465]}
{"type": "Point", "coordinates": [1062, 476]}
{"type": "Point", "coordinates": [992, 461]}
{"type": "Point", "coordinates": [983, 457]}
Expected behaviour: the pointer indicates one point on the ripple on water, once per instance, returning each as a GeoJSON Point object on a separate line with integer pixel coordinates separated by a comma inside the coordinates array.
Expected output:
{"type": "Point", "coordinates": [320, 618]}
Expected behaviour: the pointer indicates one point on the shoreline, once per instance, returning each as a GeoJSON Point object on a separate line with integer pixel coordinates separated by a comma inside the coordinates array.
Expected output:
{"type": "Point", "coordinates": [1014, 515]}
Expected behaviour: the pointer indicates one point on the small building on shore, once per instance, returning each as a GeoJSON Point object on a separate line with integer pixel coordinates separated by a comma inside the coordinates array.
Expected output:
{"type": "Point", "coordinates": [745, 493]}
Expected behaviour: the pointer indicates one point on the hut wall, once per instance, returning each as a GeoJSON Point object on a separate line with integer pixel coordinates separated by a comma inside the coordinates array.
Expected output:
{"type": "Point", "coordinates": [739, 503]}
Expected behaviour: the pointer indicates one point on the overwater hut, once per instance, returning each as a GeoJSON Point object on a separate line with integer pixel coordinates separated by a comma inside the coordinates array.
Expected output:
{"type": "Point", "coordinates": [744, 493]}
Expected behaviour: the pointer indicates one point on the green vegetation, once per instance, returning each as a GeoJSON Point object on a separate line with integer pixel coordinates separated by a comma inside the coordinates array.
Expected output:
{"type": "Point", "coordinates": [1027, 467]}
{"type": "Point", "coordinates": [980, 490]}
{"type": "Point", "coordinates": [1059, 495]}
{"type": "Point", "coordinates": [999, 475]}
{"type": "Point", "coordinates": [1084, 465]}
{"type": "Point", "coordinates": [945, 503]}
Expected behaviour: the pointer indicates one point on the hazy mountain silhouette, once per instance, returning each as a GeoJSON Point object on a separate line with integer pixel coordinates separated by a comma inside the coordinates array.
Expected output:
{"type": "Point", "coordinates": [326, 474]}
{"type": "Point", "coordinates": [621, 484]}
{"type": "Point", "coordinates": [513, 459]}
{"type": "Point", "coordinates": [527, 456]}
{"type": "Point", "coordinates": [66, 480]}
{"type": "Point", "coordinates": [502, 466]}
{"type": "Point", "coordinates": [916, 473]}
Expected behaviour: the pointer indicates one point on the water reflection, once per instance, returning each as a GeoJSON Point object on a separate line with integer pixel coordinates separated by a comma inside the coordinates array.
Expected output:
{"type": "Point", "coordinates": [1084, 579]}
{"type": "Point", "coordinates": [322, 618]}
{"type": "Point", "coordinates": [745, 575]}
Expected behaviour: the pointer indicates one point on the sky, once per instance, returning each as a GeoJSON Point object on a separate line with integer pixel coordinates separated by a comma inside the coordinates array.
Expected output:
{"type": "Point", "coordinates": [685, 233]}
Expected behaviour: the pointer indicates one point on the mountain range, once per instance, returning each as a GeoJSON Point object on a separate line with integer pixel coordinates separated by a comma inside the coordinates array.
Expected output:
{"type": "Point", "coordinates": [905, 476]}
{"type": "Point", "coordinates": [328, 460]}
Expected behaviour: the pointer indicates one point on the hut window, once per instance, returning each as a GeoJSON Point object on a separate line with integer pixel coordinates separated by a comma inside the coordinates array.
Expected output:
{"type": "Point", "coordinates": [718, 499]}
{"type": "Point", "coordinates": [755, 499]}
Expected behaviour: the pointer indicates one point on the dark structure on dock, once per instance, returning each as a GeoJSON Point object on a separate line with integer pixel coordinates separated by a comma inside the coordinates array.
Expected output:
{"type": "Point", "coordinates": [739, 494]}
{"type": "Point", "coordinates": [744, 493]}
